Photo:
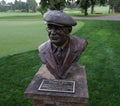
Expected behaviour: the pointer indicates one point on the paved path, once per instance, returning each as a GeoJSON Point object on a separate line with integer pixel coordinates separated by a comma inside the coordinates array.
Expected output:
{"type": "Point", "coordinates": [115, 18]}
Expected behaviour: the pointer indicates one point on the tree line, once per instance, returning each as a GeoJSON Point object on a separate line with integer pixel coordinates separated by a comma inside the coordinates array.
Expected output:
{"type": "Point", "coordinates": [28, 6]}
{"type": "Point", "coordinates": [44, 5]}
{"type": "Point", "coordinates": [114, 5]}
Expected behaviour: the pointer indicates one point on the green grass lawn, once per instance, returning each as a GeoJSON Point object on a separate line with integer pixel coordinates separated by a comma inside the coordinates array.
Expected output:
{"type": "Point", "coordinates": [102, 61]}
{"type": "Point", "coordinates": [101, 58]}
{"type": "Point", "coordinates": [14, 15]}
{"type": "Point", "coordinates": [21, 36]}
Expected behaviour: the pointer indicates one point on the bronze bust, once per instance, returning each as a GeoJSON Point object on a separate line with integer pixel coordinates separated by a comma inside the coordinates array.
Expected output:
{"type": "Point", "coordinates": [62, 50]}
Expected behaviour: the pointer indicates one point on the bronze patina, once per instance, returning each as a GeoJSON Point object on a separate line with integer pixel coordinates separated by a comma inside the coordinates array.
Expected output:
{"type": "Point", "coordinates": [62, 50]}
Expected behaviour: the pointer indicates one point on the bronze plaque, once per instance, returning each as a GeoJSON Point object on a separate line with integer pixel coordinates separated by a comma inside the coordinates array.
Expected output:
{"type": "Point", "coordinates": [57, 86]}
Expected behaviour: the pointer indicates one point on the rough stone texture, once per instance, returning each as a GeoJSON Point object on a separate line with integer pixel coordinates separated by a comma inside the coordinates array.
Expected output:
{"type": "Point", "coordinates": [37, 102]}
{"type": "Point", "coordinates": [76, 74]}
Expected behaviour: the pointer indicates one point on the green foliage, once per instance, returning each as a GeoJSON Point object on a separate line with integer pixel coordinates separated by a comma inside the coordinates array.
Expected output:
{"type": "Point", "coordinates": [43, 6]}
{"type": "Point", "coordinates": [57, 5]}
{"type": "Point", "coordinates": [3, 6]}
{"type": "Point", "coordinates": [32, 5]}
{"type": "Point", "coordinates": [51, 4]}
{"type": "Point", "coordinates": [85, 4]}
{"type": "Point", "coordinates": [3, 2]}
{"type": "Point", "coordinates": [117, 6]}
{"type": "Point", "coordinates": [102, 2]}
{"type": "Point", "coordinates": [19, 5]}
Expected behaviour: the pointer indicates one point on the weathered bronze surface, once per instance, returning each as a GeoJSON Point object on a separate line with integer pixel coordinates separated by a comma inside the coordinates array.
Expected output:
{"type": "Point", "coordinates": [59, 18]}
{"type": "Point", "coordinates": [57, 86]}
{"type": "Point", "coordinates": [62, 50]}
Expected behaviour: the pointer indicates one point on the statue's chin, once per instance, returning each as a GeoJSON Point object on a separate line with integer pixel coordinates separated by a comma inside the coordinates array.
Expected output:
{"type": "Point", "coordinates": [56, 42]}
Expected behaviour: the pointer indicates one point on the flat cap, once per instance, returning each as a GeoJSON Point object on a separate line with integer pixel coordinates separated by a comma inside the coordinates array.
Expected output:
{"type": "Point", "coordinates": [58, 18]}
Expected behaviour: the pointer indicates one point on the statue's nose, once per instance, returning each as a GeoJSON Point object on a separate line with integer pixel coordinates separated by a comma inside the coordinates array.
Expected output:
{"type": "Point", "coordinates": [53, 31]}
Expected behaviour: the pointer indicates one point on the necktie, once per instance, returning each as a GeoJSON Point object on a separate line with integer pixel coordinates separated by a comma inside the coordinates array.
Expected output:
{"type": "Point", "coordinates": [59, 54]}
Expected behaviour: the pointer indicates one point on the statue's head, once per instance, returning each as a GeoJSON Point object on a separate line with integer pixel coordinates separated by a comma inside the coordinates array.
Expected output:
{"type": "Point", "coordinates": [59, 26]}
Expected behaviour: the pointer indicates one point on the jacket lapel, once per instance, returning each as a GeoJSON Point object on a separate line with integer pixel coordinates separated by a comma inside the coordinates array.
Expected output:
{"type": "Point", "coordinates": [51, 63]}
{"type": "Point", "coordinates": [69, 57]}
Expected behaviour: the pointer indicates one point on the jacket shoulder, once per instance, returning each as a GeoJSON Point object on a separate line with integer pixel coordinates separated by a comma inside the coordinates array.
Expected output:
{"type": "Point", "coordinates": [80, 43]}
{"type": "Point", "coordinates": [43, 47]}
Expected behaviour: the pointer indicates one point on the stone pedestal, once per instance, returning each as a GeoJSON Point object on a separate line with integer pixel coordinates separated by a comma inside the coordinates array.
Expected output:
{"type": "Point", "coordinates": [42, 98]}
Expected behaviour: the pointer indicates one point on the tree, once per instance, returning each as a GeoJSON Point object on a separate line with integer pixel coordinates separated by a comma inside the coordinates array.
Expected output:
{"type": "Point", "coordinates": [19, 5]}
{"type": "Point", "coordinates": [3, 6]}
{"type": "Point", "coordinates": [117, 6]}
{"type": "Point", "coordinates": [32, 5]}
{"type": "Point", "coordinates": [16, 5]}
{"type": "Point", "coordinates": [3, 2]}
{"type": "Point", "coordinates": [10, 5]}
{"type": "Point", "coordinates": [56, 5]}
{"type": "Point", "coordinates": [84, 5]}
{"type": "Point", "coordinates": [114, 5]}
{"type": "Point", "coordinates": [24, 7]}
{"type": "Point", "coordinates": [70, 4]}
{"type": "Point", "coordinates": [43, 6]}
{"type": "Point", "coordinates": [93, 2]}
{"type": "Point", "coordinates": [52, 5]}
{"type": "Point", "coordinates": [111, 6]}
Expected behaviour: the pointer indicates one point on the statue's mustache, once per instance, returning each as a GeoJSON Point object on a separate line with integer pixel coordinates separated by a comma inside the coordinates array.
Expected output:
{"type": "Point", "coordinates": [54, 36]}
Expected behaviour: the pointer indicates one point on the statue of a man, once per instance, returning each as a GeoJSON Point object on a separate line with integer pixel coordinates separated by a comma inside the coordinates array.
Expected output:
{"type": "Point", "coordinates": [62, 50]}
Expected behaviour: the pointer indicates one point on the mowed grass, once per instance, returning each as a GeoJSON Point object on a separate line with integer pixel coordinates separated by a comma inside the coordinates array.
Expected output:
{"type": "Point", "coordinates": [16, 72]}
{"type": "Point", "coordinates": [101, 58]}
{"type": "Point", "coordinates": [21, 36]}
{"type": "Point", "coordinates": [14, 15]}
{"type": "Point", "coordinates": [102, 61]}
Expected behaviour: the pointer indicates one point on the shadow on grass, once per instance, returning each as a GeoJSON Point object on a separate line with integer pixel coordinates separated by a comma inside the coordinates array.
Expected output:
{"type": "Point", "coordinates": [16, 72]}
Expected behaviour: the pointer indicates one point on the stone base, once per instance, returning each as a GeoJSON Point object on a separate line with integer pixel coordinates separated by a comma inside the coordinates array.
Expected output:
{"type": "Point", "coordinates": [44, 98]}
{"type": "Point", "coordinates": [49, 103]}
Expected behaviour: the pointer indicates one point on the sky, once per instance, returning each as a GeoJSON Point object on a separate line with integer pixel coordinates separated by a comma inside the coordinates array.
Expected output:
{"type": "Point", "coordinates": [18, 0]}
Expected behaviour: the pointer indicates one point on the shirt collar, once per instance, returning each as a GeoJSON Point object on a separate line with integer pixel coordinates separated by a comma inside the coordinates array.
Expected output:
{"type": "Point", "coordinates": [54, 47]}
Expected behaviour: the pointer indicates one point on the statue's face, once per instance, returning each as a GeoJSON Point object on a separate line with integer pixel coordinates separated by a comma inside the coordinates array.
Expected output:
{"type": "Point", "coordinates": [57, 34]}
